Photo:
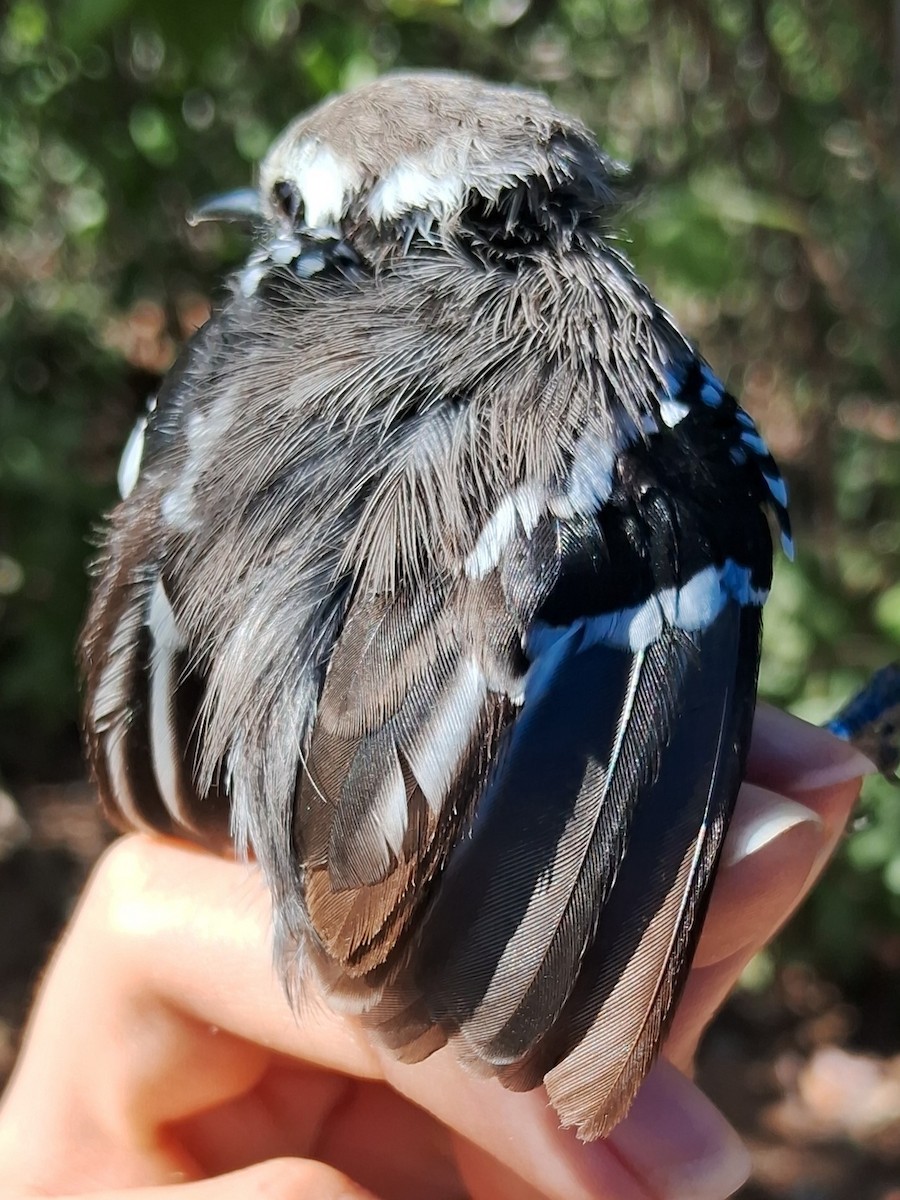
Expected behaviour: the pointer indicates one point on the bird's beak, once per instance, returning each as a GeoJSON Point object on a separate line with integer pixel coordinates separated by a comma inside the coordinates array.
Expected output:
{"type": "Point", "coordinates": [240, 205]}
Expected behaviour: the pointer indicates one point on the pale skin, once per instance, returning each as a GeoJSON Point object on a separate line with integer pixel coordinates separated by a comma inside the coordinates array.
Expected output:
{"type": "Point", "coordinates": [162, 1061]}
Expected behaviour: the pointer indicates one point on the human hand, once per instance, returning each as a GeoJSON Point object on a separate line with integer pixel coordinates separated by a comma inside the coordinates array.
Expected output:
{"type": "Point", "coordinates": [162, 1061]}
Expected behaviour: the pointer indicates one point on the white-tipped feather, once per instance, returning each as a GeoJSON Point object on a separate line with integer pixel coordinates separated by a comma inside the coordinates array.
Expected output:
{"type": "Point", "coordinates": [167, 644]}
{"type": "Point", "coordinates": [673, 412]}
{"type": "Point", "coordinates": [778, 488]}
{"type": "Point", "coordinates": [435, 754]}
{"type": "Point", "coordinates": [111, 711]}
{"type": "Point", "coordinates": [130, 462]}
{"type": "Point", "coordinates": [520, 509]}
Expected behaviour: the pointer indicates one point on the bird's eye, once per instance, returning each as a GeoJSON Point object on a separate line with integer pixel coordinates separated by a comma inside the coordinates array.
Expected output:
{"type": "Point", "coordinates": [287, 200]}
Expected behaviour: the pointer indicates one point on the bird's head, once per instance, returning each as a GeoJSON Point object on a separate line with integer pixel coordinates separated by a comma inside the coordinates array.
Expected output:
{"type": "Point", "coordinates": [417, 157]}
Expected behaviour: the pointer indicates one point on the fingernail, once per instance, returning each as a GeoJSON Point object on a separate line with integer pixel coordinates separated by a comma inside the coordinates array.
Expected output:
{"type": "Point", "coordinates": [678, 1141]}
{"type": "Point", "coordinates": [760, 818]}
{"type": "Point", "coordinates": [829, 774]}
{"type": "Point", "coordinates": [789, 754]}
{"type": "Point", "coordinates": [771, 849]}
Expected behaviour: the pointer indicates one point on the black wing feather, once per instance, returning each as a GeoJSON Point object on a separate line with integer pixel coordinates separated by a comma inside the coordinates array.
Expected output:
{"type": "Point", "coordinates": [602, 1044]}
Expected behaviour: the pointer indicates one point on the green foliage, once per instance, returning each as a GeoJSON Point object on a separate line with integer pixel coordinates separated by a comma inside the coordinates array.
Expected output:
{"type": "Point", "coordinates": [763, 131]}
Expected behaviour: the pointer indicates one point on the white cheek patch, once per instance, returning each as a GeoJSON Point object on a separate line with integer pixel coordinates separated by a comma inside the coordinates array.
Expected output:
{"type": "Point", "coordinates": [324, 181]}
{"type": "Point", "coordinates": [413, 187]}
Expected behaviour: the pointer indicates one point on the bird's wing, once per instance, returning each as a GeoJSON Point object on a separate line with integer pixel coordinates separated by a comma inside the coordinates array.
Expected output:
{"type": "Point", "coordinates": [489, 802]}
{"type": "Point", "coordinates": [519, 780]}
{"type": "Point", "coordinates": [144, 686]}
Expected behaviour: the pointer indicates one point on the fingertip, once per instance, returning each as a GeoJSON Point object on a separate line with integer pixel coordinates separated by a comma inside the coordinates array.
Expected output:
{"type": "Point", "coordinates": [791, 756]}
{"type": "Point", "coordinates": [770, 854]}
{"type": "Point", "coordinates": [277, 1179]}
{"type": "Point", "coordinates": [678, 1142]}
{"type": "Point", "coordinates": [516, 1136]}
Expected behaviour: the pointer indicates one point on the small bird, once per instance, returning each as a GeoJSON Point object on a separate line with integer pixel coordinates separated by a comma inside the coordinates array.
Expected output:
{"type": "Point", "coordinates": [437, 587]}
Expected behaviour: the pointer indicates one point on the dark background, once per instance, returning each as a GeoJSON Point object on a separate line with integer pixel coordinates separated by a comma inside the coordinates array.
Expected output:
{"type": "Point", "coordinates": [765, 136]}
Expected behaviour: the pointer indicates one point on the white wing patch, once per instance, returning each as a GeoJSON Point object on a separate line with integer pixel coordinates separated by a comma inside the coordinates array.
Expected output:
{"type": "Point", "coordinates": [590, 479]}
{"type": "Point", "coordinates": [691, 607]}
{"type": "Point", "coordinates": [524, 507]}
{"type": "Point", "coordinates": [697, 603]}
{"type": "Point", "coordinates": [587, 489]}
{"type": "Point", "coordinates": [673, 411]}
{"type": "Point", "coordinates": [435, 755]}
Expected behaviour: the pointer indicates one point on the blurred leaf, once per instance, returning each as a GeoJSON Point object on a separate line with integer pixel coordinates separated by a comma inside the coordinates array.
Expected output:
{"type": "Point", "coordinates": [81, 21]}
{"type": "Point", "coordinates": [887, 612]}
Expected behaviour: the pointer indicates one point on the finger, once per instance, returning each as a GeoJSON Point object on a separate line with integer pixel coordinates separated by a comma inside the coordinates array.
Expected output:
{"type": "Point", "coordinates": [182, 946]}
{"type": "Point", "coordinates": [277, 1179]}
{"type": "Point", "coordinates": [707, 990]}
{"type": "Point", "coordinates": [363, 1128]}
{"type": "Point", "coordinates": [790, 756]}
{"type": "Point", "coordinates": [779, 840]}
{"type": "Point", "coordinates": [771, 849]}
{"type": "Point", "coordinates": [673, 1145]}
{"type": "Point", "coordinates": [140, 1058]}
{"type": "Point", "coordinates": [775, 852]}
